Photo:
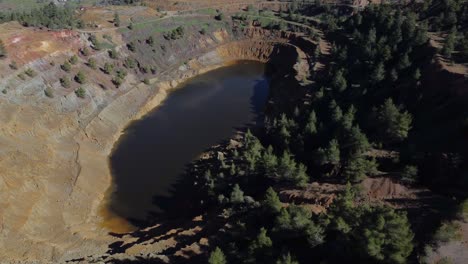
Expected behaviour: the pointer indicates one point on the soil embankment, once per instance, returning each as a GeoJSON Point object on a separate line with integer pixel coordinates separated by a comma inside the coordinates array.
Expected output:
{"type": "Point", "coordinates": [54, 151]}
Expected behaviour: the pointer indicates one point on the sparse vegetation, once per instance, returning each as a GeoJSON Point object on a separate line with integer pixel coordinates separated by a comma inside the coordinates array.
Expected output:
{"type": "Point", "coordinates": [80, 92]}
{"type": "Point", "coordinates": [30, 72]}
{"type": "Point", "coordinates": [174, 34]}
{"type": "Point", "coordinates": [80, 77]}
{"type": "Point", "coordinates": [49, 92]}
{"type": "Point", "coordinates": [65, 82]}
{"type": "Point", "coordinates": [66, 66]}
{"type": "Point", "coordinates": [3, 52]}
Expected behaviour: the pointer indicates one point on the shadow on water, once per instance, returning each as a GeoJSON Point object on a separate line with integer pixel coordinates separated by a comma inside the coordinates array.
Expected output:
{"type": "Point", "coordinates": [149, 160]}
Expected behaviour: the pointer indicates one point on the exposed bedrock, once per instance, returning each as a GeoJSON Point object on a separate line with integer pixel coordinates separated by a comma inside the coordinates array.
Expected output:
{"type": "Point", "coordinates": [54, 172]}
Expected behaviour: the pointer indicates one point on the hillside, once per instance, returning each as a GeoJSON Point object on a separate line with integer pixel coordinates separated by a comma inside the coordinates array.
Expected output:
{"type": "Point", "coordinates": [361, 154]}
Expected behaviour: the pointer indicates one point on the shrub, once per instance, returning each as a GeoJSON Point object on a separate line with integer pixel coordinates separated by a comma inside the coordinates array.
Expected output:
{"type": "Point", "coordinates": [49, 92]}
{"type": "Point", "coordinates": [462, 212]}
{"type": "Point", "coordinates": [175, 33]}
{"type": "Point", "coordinates": [92, 63]}
{"type": "Point", "coordinates": [113, 54]}
{"type": "Point", "coordinates": [85, 51]}
{"type": "Point", "coordinates": [21, 76]}
{"type": "Point", "coordinates": [444, 260]}
{"type": "Point", "coordinates": [80, 78]}
{"type": "Point", "coordinates": [80, 92]}
{"type": "Point", "coordinates": [448, 231]}
{"type": "Point", "coordinates": [146, 81]}
{"type": "Point", "coordinates": [117, 81]}
{"type": "Point", "coordinates": [108, 68]}
{"type": "Point", "coordinates": [30, 72]}
{"type": "Point", "coordinates": [65, 82]}
{"type": "Point", "coordinates": [409, 174]}
{"type": "Point", "coordinates": [13, 65]}
{"type": "Point", "coordinates": [3, 52]}
{"type": "Point", "coordinates": [66, 66]}
{"type": "Point", "coordinates": [74, 59]}
{"type": "Point", "coordinates": [219, 17]}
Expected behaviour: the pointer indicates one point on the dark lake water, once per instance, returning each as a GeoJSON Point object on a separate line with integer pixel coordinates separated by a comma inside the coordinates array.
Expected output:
{"type": "Point", "coordinates": [152, 153]}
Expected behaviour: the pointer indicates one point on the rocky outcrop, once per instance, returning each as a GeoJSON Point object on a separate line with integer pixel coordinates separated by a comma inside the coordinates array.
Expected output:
{"type": "Point", "coordinates": [54, 172]}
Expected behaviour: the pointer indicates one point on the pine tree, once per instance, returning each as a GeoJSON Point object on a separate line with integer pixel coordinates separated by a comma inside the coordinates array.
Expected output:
{"type": "Point", "coordinates": [237, 195]}
{"type": "Point", "coordinates": [286, 259]}
{"type": "Point", "coordinates": [449, 44]}
{"type": "Point", "coordinates": [356, 141]}
{"type": "Point", "coordinates": [378, 74]}
{"type": "Point", "coordinates": [339, 81]}
{"type": "Point", "coordinates": [311, 127]}
{"type": "Point", "coordinates": [272, 202]}
{"type": "Point", "coordinates": [348, 118]}
{"type": "Point", "coordinates": [330, 155]}
{"type": "Point", "coordinates": [217, 257]}
{"type": "Point", "coordinates": [384, 235]}
{"type": "Point", "coordinates": [394, 124]}
{"type": "Point", "coordinates": [260, 247]}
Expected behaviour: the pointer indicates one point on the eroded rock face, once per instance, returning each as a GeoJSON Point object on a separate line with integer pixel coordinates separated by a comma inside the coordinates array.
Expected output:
{"type": "Point", "coordinates": [54, 151]}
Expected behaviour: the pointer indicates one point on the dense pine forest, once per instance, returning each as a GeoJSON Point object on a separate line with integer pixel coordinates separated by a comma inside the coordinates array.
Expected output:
{"type": "Point", "coordinates": [371, 99]}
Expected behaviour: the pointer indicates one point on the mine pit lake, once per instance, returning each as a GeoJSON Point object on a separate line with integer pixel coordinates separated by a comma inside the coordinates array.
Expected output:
{"type": "Point", "coordinates": [153, 152]}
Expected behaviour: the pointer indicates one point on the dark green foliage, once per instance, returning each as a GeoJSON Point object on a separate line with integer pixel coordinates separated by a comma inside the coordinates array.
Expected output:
{"type": "Point", "coordinates": [339, 81]}
{"type": "Point", "coordinates": [30, 72]}
{"type": "Point", "coordinates": [131, 46]}
{"type": "Point", "coordinates": [117, 81]}
{"type": "Point", "coordinates": [462, 211]}
{"type": "Point", "coordinates": [217, 257]}
{"type": "Point", "coordinates": [108, 68]}
{"type": "Point", "coordinates": [50, 16]}
{"type": "Point", "coordinates": [394, 124]}
{"type": "Point", "coordinates": [358, 167]}
{"type": "Point", "coordinates": [113, 54]}
{"type": "Point", "coordinates": [80, 92]}
{"type": "Point", "coordinates": [85, 51]}
{"type": "Point", "coordinates": [49, 92]}
{"type": "Point", "coordinates": [94, 41]}
{"type": "Point", "coordinates": [130, 63]}
{"type": "Point", "coordinates": [376, 234]}
{"type": "Point", "coordinates": [286, 259]}
{"type": "Point", "coordinates": [150, 41]}
{"type": "Point", "coordinates": [174, 34]}
{"type": "Point", "coordinates": [378, 74]}
{"type": "Point", "coordinates": [449, 45]}
{"type": "Point", "coordinates": [219, 17]}
{"type": "Point", "coordinates": [447, 232]}
{"type": "Point", "coordinates": [73, 60]}
{"type": "Point", "coordinates": [13, 65]}
{"type": "Point", "coordinates": [92, 63]}
{"type": "Point", "coordinates": [409, 174]}
{"type": "Point", "coordinates": [65, 82]}
{"type": "Point", "coordinates": [66, 66]}
{"type": "Point", "coordinates": [237, 195]}
{"type": "Point", "coordinates": [80, 77]}
{"type": "Point", "coordinates": [271, 202]}
{"type": "Point", "coordinates": [260, 248]}
{"type": "Point", "coordinates": [330, 155]}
